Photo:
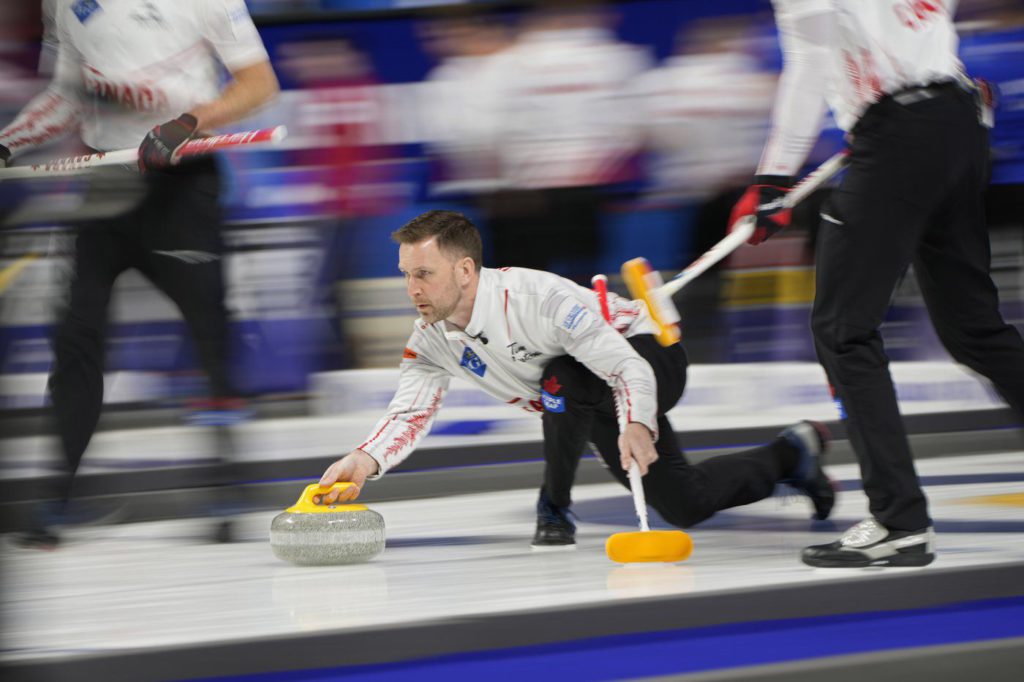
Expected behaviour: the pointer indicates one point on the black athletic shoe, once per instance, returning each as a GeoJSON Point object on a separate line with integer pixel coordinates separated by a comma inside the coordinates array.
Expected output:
{"type": "Point", "coordinates": [555, 530]}
{"type": "Point", "coordinates": [869, 543]}
{"type": "Point", "coordinates": [37, 538]}
{"type": "Point", "coordinates": [811, 441]}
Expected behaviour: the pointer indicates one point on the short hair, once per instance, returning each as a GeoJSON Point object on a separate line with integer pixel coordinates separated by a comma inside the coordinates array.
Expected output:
{"type": "Point", "coordinates": [456, 234]}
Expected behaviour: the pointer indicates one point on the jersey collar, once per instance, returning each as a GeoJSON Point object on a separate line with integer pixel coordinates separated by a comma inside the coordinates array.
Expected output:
{"type": "Point", "coordinates": [481, 308]}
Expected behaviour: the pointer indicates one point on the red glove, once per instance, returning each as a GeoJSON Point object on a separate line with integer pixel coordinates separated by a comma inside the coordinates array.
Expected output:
{"type": "Point", "coordinates": [761, 200]}
{"type": "Point", "coordinates": [162, 142]}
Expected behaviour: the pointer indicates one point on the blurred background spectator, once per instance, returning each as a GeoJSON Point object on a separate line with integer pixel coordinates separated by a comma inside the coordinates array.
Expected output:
{"type": "Point", "coordinates": [461, 100]}
{"type": "Point", "coordinates": [568, 136]}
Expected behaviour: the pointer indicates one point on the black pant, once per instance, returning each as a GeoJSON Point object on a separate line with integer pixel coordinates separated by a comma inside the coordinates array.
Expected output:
{"type": "Point", "coordinates": [912, 194]}
{"type": "Point", "coordinates": [683, 494]}
{"type": "Point", "coordinates": [173, 237]}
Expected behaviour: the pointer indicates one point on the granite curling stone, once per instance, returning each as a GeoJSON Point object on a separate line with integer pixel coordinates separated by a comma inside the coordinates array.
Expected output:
{"type": "Point", "coordinates": [311, 534]}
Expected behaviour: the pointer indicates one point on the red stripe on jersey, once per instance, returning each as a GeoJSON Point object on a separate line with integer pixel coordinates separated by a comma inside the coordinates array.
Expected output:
{"type": "Point", "coordinates": [508, 326]}
{"type": "Point", "coordinates": [376, 435]}
{"type": "Point", "coordinates": [625, 390]}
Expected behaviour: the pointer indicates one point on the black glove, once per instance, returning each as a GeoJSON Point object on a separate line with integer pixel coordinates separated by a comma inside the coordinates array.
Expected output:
{"type": "Point", "coordinates": [160, 145]}
{"type": "Point", "coordinates": [5, 156]}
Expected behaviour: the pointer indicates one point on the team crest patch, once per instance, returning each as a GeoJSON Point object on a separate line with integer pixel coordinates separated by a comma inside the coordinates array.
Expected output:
{"type": "Point", "coordinates": [84, 9]}
{"type": "Point", "coordinates": [552, 403]}
{"type": "Point", "coordinates": [473, 363]}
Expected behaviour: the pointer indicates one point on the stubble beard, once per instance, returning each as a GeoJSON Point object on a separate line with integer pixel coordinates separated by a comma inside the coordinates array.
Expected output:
{"type": "Point", "coordinates": [439, 312]}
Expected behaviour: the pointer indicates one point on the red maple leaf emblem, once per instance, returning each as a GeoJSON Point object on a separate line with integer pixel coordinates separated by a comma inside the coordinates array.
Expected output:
{"type": "Point", "coordinates": [551, 386]}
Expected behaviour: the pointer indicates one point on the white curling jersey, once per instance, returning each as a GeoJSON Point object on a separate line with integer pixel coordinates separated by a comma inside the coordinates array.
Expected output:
{"type": "Point", "coordinates": [876, 47]}
{"type": "Point", "coordinates": [129, 65]}
{"type": "Point", "coordinates": [522, 319]}
{"type": "Point", "coordinates": [568, 117]}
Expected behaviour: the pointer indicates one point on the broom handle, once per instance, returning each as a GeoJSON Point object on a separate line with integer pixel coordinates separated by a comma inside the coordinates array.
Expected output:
{"type": "Point", "coordinates": [744, 227]}
{"type": "Point", "coordinates": [600, 284]}
{"type": "Point", "coordinates": [636, 484]}
{"type": "Point", "coordinates": [196, 147]}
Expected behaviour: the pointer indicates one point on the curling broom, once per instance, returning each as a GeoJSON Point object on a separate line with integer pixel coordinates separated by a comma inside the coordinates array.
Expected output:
{"type": "Point", "coordinates": [645, 545]}
{"type": "Point", "coordinates": [646, 284]}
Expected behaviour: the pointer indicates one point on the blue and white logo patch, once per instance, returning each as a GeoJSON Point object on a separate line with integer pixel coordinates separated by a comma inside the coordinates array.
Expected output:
{"type": "Point", "coordinates": [552, 403]}
{"type": "Point", "coordinates": [472, 362]}
{"type": "Point", "coordinates": [84, 9]}
{"type": "Point", "coordinates": [574, 319]}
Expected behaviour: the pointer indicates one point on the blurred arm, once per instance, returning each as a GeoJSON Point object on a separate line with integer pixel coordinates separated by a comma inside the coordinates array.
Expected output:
{"type": "Point", "coordinates": [805, 33]}
{"type": "Point", "coordinates": [53, 112]}
{"type": "Point", "coordinates": [229, 30]}
{"type": "Point", "coordinates": [251, 88]}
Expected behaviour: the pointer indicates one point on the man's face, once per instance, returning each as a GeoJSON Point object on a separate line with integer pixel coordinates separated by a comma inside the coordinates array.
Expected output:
{"type": "Point", "coordinates": [430, 280]}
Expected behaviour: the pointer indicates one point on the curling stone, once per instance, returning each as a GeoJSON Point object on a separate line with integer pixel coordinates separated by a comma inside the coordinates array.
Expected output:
{"type": "Point", "coordinates": [311, 534]}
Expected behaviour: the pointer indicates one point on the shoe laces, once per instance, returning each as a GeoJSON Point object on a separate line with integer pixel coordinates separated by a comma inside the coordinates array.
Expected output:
{"type": "Point", "coordinates": [861, 533]}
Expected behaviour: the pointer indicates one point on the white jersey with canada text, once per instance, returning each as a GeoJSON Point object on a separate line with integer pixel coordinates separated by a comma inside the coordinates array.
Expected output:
{"type": "Point", "coordinates": [522, 319]}
{"type": "Point", "coordinates": [850, 53]}
{"type": "Point", "coordinates": [124, 66]}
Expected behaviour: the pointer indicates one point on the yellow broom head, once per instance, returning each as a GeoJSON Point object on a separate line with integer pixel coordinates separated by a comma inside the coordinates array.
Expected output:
{"type": "Point", "coordinates": [643, 283]}
{"type": "Point", "coordinates": [649, 546]}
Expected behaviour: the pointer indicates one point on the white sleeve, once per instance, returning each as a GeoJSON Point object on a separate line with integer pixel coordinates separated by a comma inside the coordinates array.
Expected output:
{"type": "Point", "coordinates": [806, 27]}
{"type": "Point", "coordinates": [606, 353]}
{"type": "Point", "coordinates": [56, 110]}
{"type": "Point", "coordinates": [421, 389]}
{"type": "Point", "coordinates": [227, 26]}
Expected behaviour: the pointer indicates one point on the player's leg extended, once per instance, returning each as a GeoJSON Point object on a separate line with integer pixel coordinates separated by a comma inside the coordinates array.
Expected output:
{"type": "Point", "coordinates": [682, 493]}
{"type": "Point", "coordinates": [952, 267]}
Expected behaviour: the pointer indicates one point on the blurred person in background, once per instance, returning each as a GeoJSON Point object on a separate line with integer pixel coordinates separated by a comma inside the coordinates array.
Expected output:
{"type": "Point", "coordinates": [567, 135]}
{"type": "Point", "coordinates": [537, 341]}
{"type": "Point", "coordinates": [991, 40]}
{"type": "Point", "coordinates": [913, 194]}
{"type": "Point", "coordinates": [461, 98]}
{"type": "Point", "coordinates": [336, 117]}
{"type": "Point", "coordinates": [336, 124]}
{"type": "Point", "coordinates": [147, 75]}
{"type": "Point", "coordinates": [704, 112]}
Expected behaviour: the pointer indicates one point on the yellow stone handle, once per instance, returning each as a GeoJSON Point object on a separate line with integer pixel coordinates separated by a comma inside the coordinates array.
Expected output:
{"type": "Point", "coordinates": [305, 505]}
